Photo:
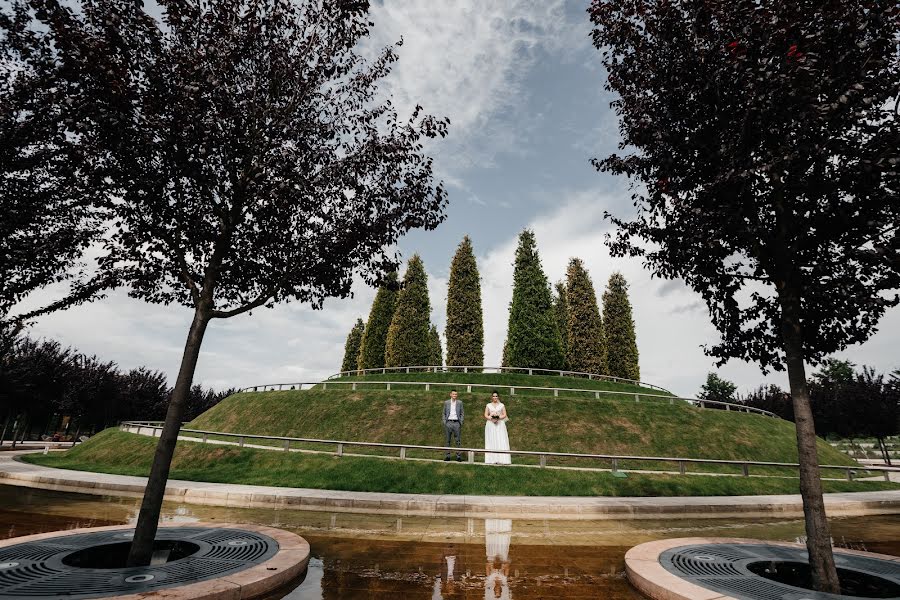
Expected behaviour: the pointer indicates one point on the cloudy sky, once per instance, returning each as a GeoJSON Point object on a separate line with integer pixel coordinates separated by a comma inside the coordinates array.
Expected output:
{"type": "Point", "coordinates": [523, 89]}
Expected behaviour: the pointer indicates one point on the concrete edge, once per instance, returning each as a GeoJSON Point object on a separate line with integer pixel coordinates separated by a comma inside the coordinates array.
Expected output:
{"type": "Point", "coordinates": [650, 578]}
{"type": "Point", "coordinates": [288, 563]}
{"type": "Point", "coordinates": [545, 507]}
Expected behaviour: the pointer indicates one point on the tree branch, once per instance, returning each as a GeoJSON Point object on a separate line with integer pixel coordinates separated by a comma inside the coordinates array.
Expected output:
{"type": "Point", "coordinates": [224, 314]}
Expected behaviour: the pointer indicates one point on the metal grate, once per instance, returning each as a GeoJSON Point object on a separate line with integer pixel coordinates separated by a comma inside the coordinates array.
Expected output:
{"type": "Point", "coordinates": [36, 570]}
{"type": "Point", "coordinates": [723, 569]}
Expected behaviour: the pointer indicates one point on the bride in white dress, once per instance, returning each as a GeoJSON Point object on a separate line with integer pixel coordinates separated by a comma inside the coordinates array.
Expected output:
{"type": "Point", "coordinates": [495, 436]}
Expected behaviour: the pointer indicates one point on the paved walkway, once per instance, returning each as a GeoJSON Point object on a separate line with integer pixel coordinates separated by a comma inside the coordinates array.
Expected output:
{"type": "Point", "coordinates": [14, 472]}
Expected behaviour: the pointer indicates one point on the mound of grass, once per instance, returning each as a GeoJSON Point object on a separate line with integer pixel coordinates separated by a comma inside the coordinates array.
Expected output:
{"type": "Point", "coordinates": [114, 451]}
{"type": "Point", "coordinates": [605, 426]}
{"type": "Point", "coordinates": [507, 379]}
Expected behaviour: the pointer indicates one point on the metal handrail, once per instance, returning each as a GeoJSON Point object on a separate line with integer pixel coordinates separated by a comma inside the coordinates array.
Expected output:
{"type": "Point", "coordinates": [729, 406]}
{"type": "Point", "coordinates": [543, 455]}
{"type": "Point", "coordinates": [479, 368]}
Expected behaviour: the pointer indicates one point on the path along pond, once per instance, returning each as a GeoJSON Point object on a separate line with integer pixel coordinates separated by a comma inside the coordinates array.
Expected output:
{"type": "Point", "coordinates": [383, 556]}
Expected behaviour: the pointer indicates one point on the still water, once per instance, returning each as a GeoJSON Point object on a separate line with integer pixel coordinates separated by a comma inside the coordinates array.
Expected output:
{"type": "Point", "coordinates": [383, 556]}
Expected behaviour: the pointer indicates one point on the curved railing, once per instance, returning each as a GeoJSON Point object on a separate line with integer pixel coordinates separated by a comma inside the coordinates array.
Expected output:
{"type": "Point", "coordinates": [637, 396]}
{"type": "Point", "coordinates": [240, 439]}
{"type": "Point", "coordinates": [482, 369]}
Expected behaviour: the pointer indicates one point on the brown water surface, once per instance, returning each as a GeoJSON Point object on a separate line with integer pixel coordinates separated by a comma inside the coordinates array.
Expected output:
{"type": "Point", "coordinates": [382, 556]}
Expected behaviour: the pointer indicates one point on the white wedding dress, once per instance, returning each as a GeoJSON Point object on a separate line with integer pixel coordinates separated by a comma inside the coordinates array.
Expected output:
{"type": "Point", "coordinates": [495, 436]}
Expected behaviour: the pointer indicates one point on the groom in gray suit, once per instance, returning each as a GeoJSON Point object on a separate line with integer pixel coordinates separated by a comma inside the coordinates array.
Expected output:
{"type": "Point", "coordinates": [453, 420]}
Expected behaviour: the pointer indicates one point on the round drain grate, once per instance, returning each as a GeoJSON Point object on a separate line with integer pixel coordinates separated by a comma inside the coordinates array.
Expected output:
{"type": "Point", "coordinates": [724, 568]}
{"type": "Point", "coordinates": [37, 569]}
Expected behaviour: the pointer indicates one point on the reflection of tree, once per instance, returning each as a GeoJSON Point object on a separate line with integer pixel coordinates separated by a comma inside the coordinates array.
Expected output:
{"type": "Point", "coordinates": [497, 534]}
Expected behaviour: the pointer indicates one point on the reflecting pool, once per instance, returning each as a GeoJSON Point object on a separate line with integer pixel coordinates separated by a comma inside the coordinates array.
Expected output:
{"type": "Point", "coordinates": [382, 556]}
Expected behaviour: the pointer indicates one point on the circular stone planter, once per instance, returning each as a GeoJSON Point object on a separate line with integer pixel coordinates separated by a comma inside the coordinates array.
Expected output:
{"type": "Point", "coordinates": [742, 569]}
{"type": "Point", "coordinates": [195, 561]}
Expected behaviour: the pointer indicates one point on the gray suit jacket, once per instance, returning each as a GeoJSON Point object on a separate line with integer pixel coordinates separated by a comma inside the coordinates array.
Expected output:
{"type": "Point", "coordinates": [459, 411]}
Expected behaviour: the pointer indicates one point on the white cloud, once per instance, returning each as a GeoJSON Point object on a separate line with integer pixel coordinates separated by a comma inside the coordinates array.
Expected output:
{"type": "Point", "coordinates": [467, 60]}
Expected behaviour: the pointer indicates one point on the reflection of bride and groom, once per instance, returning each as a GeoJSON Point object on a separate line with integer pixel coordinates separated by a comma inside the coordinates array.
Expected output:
{"type": "Point", "coordinates": [495, 435]}
{"type": "Point", "coordinates": [497, 534]}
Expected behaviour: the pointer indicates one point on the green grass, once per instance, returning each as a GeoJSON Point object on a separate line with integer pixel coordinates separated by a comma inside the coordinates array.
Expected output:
{"type": "Point", "coordinates": [114, 451]}
{"type": "Point", "coordinates": [507, 379]}
{"type": "Point", "coordinates": [605, 426]}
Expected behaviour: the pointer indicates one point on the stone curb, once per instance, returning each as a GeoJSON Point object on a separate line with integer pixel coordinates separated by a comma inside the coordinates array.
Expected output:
{"type": "Point", "coordinates": [13, 472]}
{"type": "Point", "coordinates": [288, 563]}
{"type": "Point", "coordinates": [650, 578]}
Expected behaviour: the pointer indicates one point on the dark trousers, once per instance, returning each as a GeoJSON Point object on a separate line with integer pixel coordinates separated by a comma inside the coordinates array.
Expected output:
{"type": "Point", "coordinates": [452, 428]}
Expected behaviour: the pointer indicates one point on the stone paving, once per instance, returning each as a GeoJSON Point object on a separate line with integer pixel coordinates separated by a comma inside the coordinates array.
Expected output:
{"type": "Point", "coordinates": [15, 472]}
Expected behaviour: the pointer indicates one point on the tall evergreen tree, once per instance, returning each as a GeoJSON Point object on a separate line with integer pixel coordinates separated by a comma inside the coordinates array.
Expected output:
{"type": "Point", "coordinates": [371, 349]}
{"type": "Point", "coordinates": [351, 347]}
{"type": "Point", "coordinates": [435, 351]}
{"type": "Point", "coordinates": [465, 329]}
{"type": "Point", "coordinates": [408, 336]}
{"type": "Point", "coordinates": [532, 337]}
{"type": "Point", "coordinates": [618, 327]}
{"type": "Point", "coordinates": [561, 308]}
{"type": "Point", "coordinates": [586, 344]}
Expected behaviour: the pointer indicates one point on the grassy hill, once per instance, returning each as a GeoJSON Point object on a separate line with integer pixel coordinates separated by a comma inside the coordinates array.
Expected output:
{"type": "Point", "coordinates": [114, 451]}
{"type": "Point", "coordinates": [612, 424]}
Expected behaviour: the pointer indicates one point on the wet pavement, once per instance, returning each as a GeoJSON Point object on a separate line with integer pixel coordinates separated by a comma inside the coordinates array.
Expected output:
{"type": "Point", "coordinates": [383, 556]}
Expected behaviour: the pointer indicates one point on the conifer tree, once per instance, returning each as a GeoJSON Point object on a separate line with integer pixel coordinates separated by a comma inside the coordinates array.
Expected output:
{"type": "Point", "coordinates": [408, 336]}
{"type": "Point", "coordinates": [618, 326]}
{"type": "Point", "coordinates": [371, 349]}
{"type": "Point", "coordinates": [465, 329]}
{"type": "Point", "coordinates": [586, 344]}
{"type": "Point", "coordinates": [351, 347]}
{"type": "Point", "coordinates": [532, 337]}
{"type": "Point", "coordinates": [561, 309]}
{"type": "Point", "coordinates": [435, 352]}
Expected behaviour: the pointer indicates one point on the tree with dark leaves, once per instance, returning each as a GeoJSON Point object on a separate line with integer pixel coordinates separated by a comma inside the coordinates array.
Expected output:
{"type": "Point", "coordinates": [465, 323]}
{"type": "Point", "coordinates": [561, 309]}
{"type": "Point", "coordinates": [245, 153]}
{"type": "Point", "coordinates": [766, 171]}
{"type": "Point", "coordinates": [586, 351]}
{"type": "Point", "coordinates": [435, 350]}
{"type": "Point", "coordinates": [408, 343]}
{"type": "Point", "coordinates": [718, 389]}
{"type": "Point", "coordinates": [374, 340]}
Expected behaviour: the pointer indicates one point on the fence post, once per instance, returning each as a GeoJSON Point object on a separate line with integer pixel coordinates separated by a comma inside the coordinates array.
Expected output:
{"type": "Point", "coordinates": [241, 441]}
{"type": "Point", "coordinates": [560, 373]}
{"type": "Point", "coordinates": [465, 369]}
{"type": "Point", "coordinates": [340, 449]}
{"type": "Point", "coordinates": [555, 392]}
{"type": "Point", "coordinates": [512, 391]}
{"type": "Point", "coordinates": [681, 468]}
{"type": "Point", "coordinates": [746, 469]}
{"type": "Point", "coordinates": [849, 474]}
{"type": "Point", "coordinates": [287, 445]}
{"type": "Point", "coordinates": [324, 385]}
{"type": "Point", "coordinates": [671, 400]}
{"type": "Point", "coordinates": [471, 456]}
{"type": "Point", "coordinates": [402, 452]}
{"type": "Point", "coordinates": [596, 395]}
{"type": "Point", "coordinates": [389, 387]}
{"type": "Point", "coordinates": [204, 438]}
{"type": "Point", "coordinates": [615, 465]}
{"type": "Point", "coordinates": [407, 369]}
{"type": "Point", "coordinates": [702, 404]}
{"type": "Point", "coordinates": [728, 407]}
{"type": "Point", "coordinates": [353, 387]}
{"type": "Point", "coordinates": [543, 460]}
{"type": "Point", "coordinates": [530, 371]}
{"type": "Point", "coordinates": [887, 475]}
{"type": "Point", "coordinates": [637, 398]}
{"type": "Point", "coordinates": [384, 371]}
{"type": "Point", "coordinates": [468, 389]}
{"type": "Point", "coordinates": [427, 387]}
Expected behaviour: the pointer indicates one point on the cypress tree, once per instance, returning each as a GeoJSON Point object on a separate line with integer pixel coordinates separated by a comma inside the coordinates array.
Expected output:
{"type": "Point", "coordinates": [618, 326]}
{"type": "Point", "coordinates": [587, 347]}
{"type": "Point", "coordinates": [408, 336]}
{"type": "Point", "coordinates": [371, 350]}
{"type": "Point", "coordinates": [435, 352]}
{"type": "Point", "coordinates": [351, 347]}
{"type": "Point", "coordinates": [465, 329]}
{"type": "Point", "coordinates": [532, 337]}
{"type": "Point", "coordinates": [561, 308]}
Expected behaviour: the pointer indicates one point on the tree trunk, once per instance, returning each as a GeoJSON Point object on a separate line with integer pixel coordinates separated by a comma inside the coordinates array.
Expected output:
{"type": "Point", "coordinates": [5, 427]}
{"type": "Point", "coordinates": [818, 535]}
{"type": "Point", "coordinates": [148, 519]}
{"type": "Point", "coordinates": [884, 451]}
